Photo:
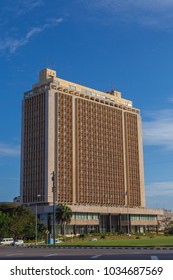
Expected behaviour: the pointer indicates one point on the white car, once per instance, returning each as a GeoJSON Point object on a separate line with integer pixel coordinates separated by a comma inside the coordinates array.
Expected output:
{"type": "Point", "coordinates": [6, 241]}
{"type": "Point", "coordinates": [18, 242]}
{"type": "Point", "coordinates": [58, 241]}
{"type": "Point", "coordinates": [93, 239]}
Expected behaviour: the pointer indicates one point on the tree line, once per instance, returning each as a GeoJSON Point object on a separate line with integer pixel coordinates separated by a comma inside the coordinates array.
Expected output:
{"type": "Point", "coordinates": [18, 221]}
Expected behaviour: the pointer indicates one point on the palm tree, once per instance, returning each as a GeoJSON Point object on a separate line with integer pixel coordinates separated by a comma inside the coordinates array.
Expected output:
{"type": "Point", "coordinates": [63, 216]}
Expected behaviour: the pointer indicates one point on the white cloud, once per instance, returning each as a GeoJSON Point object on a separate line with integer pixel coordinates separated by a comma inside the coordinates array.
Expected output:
{"type": "Point", "coordinates": [149, 4]}
{"type": "Point", "coordinates": [170, 99]}
{"type": "Point", "coordinates": [152, 13]}
{"type": "Point", "coordinates": [21, 7]}
{"type": "Point", "coordinates": [28, 5]}
{"type": "Point", "coordinates": [159, 195]}
{"type": "Point", "coordinates": [158, 130]}
{"type": "Point", "coordinates": [119, 5]}
{"type": "Point", "coordinates": [11, 44]}
{"type": "Point", "coordinates": [7, 150]}
{"type": "Point", "coordinates": [32, 32]}
{"type": "Point", "coordinates": [160, 189]}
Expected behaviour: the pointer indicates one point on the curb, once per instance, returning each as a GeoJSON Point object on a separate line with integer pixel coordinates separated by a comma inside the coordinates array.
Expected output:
{"type": "Point", "coordinates": [98, 247]}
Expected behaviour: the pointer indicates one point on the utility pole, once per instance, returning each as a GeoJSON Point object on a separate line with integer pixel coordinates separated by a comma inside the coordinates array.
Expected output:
{"type": "Point", "coordinates": [128, 216]}
{"type": "Point", "coordinates": [36, 224]}
{"type": "Point", "coordinates": [38, 195]}
{"type": "Point", "coordinates": [54, 206]}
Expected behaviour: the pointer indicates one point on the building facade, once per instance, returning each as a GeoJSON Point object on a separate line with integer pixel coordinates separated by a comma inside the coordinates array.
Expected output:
{"type": "Point", "coordinates": [92, 140]}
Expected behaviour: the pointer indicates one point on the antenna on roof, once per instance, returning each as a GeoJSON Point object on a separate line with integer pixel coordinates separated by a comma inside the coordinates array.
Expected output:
{"type": "Point", "coordinates": [113, 86]}
{"type": "Point", "coordinates": [50, 63]}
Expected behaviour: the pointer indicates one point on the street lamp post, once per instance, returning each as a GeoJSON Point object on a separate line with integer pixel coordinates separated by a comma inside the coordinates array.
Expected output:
{"type": "Point", "coordinates": [128, 225]}
{"type": "Point", "coordinates": [54, 207]}
{"type": "Point", "coordinates": [36, 219]}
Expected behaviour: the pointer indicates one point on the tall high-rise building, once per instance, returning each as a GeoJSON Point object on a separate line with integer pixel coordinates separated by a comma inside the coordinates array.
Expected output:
{"type": "Point", "coordinates": [92, 140]}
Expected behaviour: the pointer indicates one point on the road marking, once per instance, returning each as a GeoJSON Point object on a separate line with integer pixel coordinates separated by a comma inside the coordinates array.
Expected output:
{"type": "Point", "coordinates": [154, 258]}
{"type": "Point", "coordinates": [10, 255]}
{"type": "Point", "coordinates": [50, 255]}
{"type": "Point", "coordinates": [95, 257]}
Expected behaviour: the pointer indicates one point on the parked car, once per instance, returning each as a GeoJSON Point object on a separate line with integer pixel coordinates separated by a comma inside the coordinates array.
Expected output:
{"type": "Point", "coordinates": [58, 241]}
{"type": "Point", "coordinates": [93, 239]}
{"type": "Point", "coordinates": [18, 242]}
{"type": "Point", "coordinates": [6, 241]}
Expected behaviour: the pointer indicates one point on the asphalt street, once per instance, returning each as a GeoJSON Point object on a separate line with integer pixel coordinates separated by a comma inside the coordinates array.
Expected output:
{"type": "Point", "coordinates": [85, 253]}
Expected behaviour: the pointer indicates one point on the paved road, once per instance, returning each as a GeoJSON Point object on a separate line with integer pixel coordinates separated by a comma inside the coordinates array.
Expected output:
{"type": "Point", "coordinates": [24, 253]}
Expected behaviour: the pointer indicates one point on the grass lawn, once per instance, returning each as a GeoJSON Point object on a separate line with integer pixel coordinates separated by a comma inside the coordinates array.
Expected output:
{"type": "Point", "coordinates": [154, 241]}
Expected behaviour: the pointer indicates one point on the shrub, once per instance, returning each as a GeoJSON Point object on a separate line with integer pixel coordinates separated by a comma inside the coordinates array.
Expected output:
{"type": "Point", "coordinates": [102, 237]}
{"type": "Point", "coordinates": [169, 230]}
{"type": "Point", "coordinates": [81, 236]}
{"type": "Point", "coordinates": [120, 233]}
{"type": "Point", "coordinates": [92, 231]}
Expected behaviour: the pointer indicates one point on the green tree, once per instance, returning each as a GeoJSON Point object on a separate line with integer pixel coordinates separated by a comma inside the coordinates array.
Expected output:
{"type": "Point", "coordinates": [169, 228]}
{"type": "Point", "coordinates": [4, 224]}
{"type": "Point", "coordinates": [18, 222]}
{"type": "Point", "coordinates": [63, 216]}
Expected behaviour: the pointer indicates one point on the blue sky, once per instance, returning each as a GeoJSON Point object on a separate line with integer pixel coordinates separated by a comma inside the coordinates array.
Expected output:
{"type": "Point", "coordinates": [104, 44]}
